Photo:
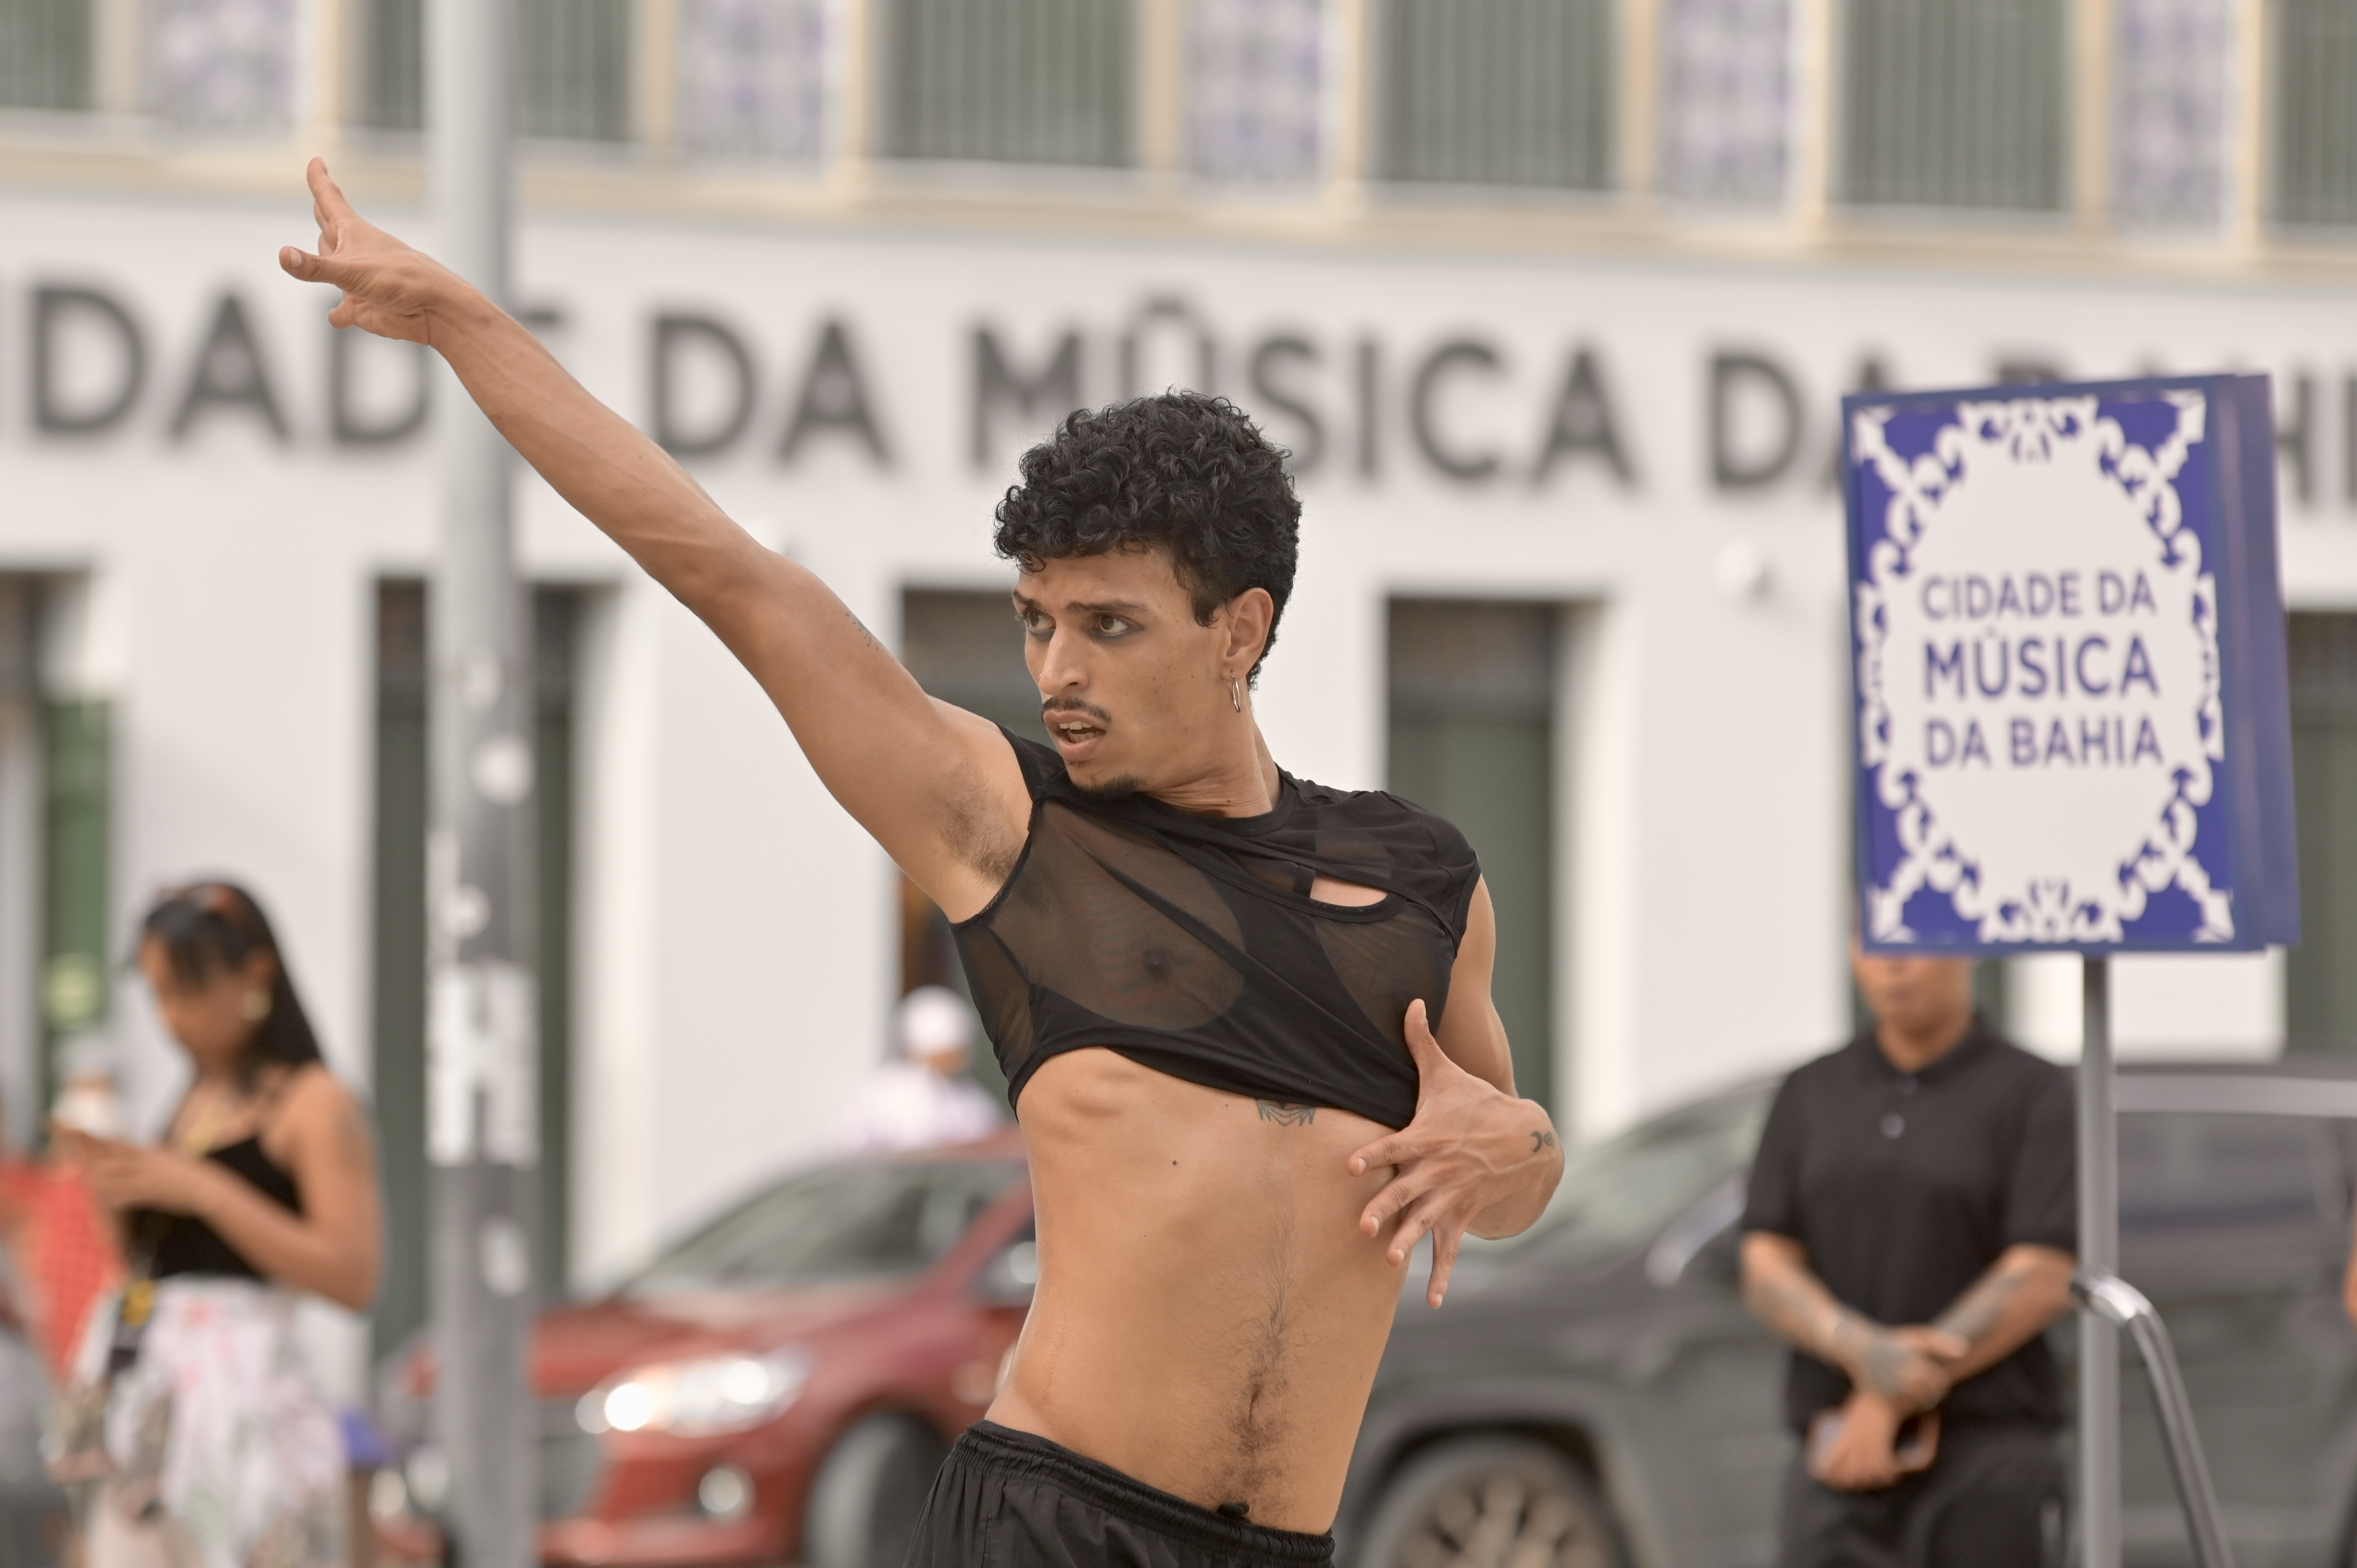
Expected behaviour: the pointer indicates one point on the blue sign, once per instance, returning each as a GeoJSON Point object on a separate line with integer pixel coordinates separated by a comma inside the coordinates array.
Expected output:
{"type": "Point", "coordinates": [2067, 637]}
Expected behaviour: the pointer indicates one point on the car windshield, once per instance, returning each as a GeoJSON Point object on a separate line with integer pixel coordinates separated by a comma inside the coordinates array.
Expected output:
{"type": "Point", "coordinates": [849, 1222]}
{"type": "Point", "coordinates": [1618, 1195]}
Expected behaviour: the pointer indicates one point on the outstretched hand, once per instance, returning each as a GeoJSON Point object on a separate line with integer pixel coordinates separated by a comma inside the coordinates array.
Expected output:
{"type": "Point", "coordinates": [1471, 1148]}
{"type": "Point", "coordinates": [389, 289]}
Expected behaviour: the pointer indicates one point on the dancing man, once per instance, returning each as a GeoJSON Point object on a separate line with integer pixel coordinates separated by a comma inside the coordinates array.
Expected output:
{"type": "Point", "coordinates": [1245, 1019]}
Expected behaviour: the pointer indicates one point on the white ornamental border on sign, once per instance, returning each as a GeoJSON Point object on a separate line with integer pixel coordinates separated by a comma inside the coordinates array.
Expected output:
{"type": "Point", "coordinates": [2046, 911]}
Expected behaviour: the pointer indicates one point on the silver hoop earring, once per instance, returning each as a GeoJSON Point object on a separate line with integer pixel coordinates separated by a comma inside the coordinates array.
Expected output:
{"type": "Point", "coordinates": [1236, 693]}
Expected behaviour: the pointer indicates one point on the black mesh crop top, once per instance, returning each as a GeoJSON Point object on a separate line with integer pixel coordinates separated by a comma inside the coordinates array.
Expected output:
{"type": "Point", "coordinates": [1190, 944]}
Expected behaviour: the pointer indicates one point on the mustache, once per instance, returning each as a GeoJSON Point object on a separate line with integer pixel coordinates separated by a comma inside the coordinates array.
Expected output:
{"type": "Point", "coordinates": [1050, 709]}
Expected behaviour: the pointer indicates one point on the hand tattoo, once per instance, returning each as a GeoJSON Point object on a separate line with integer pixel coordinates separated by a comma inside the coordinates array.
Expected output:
{"type": "Point", "coordinates": [1884, 1360]}
{"type": "Point", "coordinates": [1286, 1115]}
{"type": "Point", "coordinates": [1542, 1140]}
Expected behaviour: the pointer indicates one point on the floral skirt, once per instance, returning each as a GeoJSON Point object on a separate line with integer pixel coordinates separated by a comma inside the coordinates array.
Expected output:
{"type": "Point", "coordinates": [218, 1426]}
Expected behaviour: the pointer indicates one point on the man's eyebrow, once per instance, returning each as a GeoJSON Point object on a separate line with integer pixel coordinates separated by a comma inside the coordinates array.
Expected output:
{"type": "Point", "coordinates": [1128, 608]}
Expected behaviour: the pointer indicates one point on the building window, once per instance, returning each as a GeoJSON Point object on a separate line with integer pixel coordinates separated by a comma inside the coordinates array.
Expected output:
{"type": "Point", "coordinates": [75, 984]}
{"type": "Point", "coordinates": [398, 984]}
{"type": "Point", "coordinates": [572, 68]}
{"type": "Point", "coordinates": [2172, 71]}
{"type": "Point", "coordinates": [752, 78]}
{"type": "Point", "coordinates": [1011, 81]}
{"type": "Point", "coordinates": [1472, 717]}
{"type": "Point", "coordinates": [1497, 92]}
{"type": "Point", "coordinates": [2320, 974]}
{"type": "Point", "coordinates": [221, 64]}
{"type": "Point", "coordinates": [227, 64]}
{"type": "Point", "coordinates": [1256, 88]}
{"type": "Point", "coordinates": [1953, 102]}
{"type": "Point", "coordinates": [1725, 99]}
{"type": "Point", "coordinates": [2316, 112]}
{"type": "Point", "coordinates": [392, 75]}
{"type": "Point", "coordinates": [573, 64]}
{"type": "Point", "coordinates": [45, 54]}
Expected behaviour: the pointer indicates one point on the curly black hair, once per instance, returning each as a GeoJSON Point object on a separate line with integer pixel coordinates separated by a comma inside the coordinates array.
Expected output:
{"type": "Point", "coordinates": [1184, 471]}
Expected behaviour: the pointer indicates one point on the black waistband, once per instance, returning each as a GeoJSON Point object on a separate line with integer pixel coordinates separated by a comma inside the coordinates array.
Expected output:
{"type": "Point", "coordinates": [1007, 1451]}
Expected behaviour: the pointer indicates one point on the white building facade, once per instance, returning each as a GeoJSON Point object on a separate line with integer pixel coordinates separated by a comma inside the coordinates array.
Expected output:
{"type": "Point", "coordinates": [1564, 438]}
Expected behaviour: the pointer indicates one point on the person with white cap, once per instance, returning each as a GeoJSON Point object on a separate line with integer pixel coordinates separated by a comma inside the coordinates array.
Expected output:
{"type": "Point", "coordinates": [922, 1097]}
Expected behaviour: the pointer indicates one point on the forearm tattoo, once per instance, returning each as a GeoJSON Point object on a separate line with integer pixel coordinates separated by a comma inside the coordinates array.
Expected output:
{"type": "Point", "coordinates": [1797, 1313]}
{"type": "Point", "coordinates": [1286, 1115]}
{"type": "Point", "coordinates": [1983, 1308]}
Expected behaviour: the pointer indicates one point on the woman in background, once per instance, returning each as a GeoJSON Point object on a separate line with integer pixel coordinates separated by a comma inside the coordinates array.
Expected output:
{"type": "Point", "coordinates": [213, 1446]}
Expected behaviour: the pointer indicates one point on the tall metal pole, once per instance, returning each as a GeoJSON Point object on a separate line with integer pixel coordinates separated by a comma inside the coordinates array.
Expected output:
{"type": "Point", "coordinates": [2099, 1253]}
{"type": "Point", "coordinates": [482, 1031]}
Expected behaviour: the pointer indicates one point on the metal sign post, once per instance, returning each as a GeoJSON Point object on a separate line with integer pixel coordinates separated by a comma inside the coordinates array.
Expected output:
{"type": "Point", "coordinates": [482, 1032]}
{"type": "Point", "coordinates": [2099, 1254]}
{"type": "Point", "coordinates": [2073, 732]}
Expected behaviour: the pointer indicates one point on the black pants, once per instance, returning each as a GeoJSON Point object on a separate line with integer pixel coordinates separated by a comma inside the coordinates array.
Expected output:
{"type": "Point", "coordinates": [1993, 1499]}
{"type": "Point", "coordinates": [1009, 1500]}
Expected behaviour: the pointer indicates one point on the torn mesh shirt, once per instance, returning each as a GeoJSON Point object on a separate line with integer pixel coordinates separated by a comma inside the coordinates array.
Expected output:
{"type": "Point", "coordinates": [1192, 946]}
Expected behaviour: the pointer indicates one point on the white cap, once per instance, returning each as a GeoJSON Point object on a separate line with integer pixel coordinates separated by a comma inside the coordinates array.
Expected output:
{"type": "Point", "coordinates": [932, 1019]}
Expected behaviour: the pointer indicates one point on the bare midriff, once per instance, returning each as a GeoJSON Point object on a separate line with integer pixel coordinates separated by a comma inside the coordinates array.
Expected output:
{"type": "Point", "coordinates": [1209, 1314]}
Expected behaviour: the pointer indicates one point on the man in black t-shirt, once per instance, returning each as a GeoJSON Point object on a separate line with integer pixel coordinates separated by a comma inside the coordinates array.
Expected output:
{"type": "Point", "coordinates": [1910, 1231]}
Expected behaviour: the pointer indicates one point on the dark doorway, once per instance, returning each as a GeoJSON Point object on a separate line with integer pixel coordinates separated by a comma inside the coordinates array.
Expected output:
{"type": "Point", "coordinates": [1472, 714]}
{"type": "Point", "coordinates": [2320, 974]}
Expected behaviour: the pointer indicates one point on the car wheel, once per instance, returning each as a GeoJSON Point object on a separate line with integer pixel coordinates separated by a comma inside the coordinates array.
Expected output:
{"type": "Point", "coordinates": [864, 1501]}
{"type": "Point", "coordinates": [1490, 1502]}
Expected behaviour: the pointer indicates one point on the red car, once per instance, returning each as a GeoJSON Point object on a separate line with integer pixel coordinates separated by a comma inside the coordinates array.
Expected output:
{"type": "Point", "coordinates": [779, 1386]}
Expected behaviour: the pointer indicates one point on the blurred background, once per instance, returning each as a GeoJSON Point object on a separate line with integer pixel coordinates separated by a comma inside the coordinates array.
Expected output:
{"type": "Point", "coordinates": [1551, 299]}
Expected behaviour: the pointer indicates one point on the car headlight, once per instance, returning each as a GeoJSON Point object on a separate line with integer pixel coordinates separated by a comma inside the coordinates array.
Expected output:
{"type": "Point", "coordinates": [692, 1399]}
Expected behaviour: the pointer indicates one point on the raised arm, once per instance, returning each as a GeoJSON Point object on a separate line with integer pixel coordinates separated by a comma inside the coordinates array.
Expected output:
{"type": "Point", "coordinates": [937, 787]}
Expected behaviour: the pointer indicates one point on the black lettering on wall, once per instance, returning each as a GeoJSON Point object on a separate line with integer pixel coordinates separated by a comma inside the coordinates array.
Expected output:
{"type": "Point", "coordinates": [676, 334]}
{"type": "Point", "coordinates": [1871, 377]}
{"type": "Point", "coordinates": [1166, 313]}
{"type": "Point", "coordinates": [229, 374]}
{"type": "Point", "coordinates": [54, 306]}
{"type": "Point", "coordinates": [1583, 424]}
{"type": "Point", "coordinates": [835, 397]}
{"type": "Point", "coordinates": [1052, 391]}
{"type": "Point", "coordinates": [1269, 393]}
{"type": "Point", "coordinates": [1473, 355]}
{"type": "Point", "coordinates": [349, 424]}
{"type": "Point", "coordinates": [2295, 435]}
{"type": "Point", "coordinates": [1366, 381]}
{"type": "Point", "coordinates": [1737, 375]}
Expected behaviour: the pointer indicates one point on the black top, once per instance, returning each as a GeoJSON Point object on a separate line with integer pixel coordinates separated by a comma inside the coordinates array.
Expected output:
{"type": "Point", "coordinates": [1192, 945]}
{"type": "Point", "coordinates": [1904, 1188]}
{"type": "Point", "coordinates": [183, 1244]}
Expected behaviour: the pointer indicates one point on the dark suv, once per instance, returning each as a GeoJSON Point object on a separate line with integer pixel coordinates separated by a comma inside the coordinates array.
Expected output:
{"type": "Point", "coordinates": [1594, 1394]}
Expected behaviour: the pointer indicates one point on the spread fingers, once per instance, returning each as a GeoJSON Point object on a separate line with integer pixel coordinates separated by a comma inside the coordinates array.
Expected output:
{"type": "Point", "coordinates": [1397, 1195]}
